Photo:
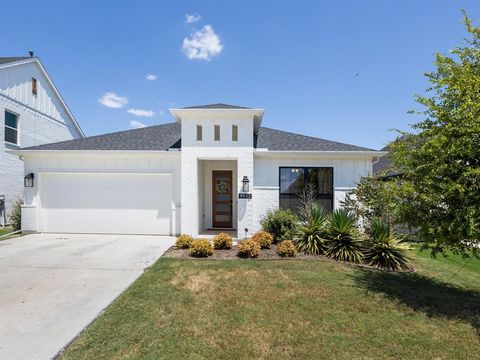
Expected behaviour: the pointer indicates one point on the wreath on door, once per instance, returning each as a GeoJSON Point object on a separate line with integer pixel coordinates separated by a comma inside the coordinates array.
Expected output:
{"type": "Point", "coordinates": [222, 187]}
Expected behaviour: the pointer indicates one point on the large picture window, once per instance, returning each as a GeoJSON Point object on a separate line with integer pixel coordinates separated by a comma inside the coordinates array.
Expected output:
{"type": "Point", "coordinates": [294, 182]}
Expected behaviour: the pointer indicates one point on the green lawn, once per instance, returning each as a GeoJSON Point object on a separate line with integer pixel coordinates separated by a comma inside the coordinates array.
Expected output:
{"type": "Point", "coordinates": [5, 230]}
{"type": "Point", "coordinates": [305, 309]}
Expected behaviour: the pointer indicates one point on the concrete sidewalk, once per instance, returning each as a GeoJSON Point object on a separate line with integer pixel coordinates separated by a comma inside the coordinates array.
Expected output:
{"type": "Point", "coordinates": [53, 285]}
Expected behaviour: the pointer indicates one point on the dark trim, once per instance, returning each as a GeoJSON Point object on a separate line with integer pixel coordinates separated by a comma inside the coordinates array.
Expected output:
{"type": "Point", "coordinates": [320, 196]}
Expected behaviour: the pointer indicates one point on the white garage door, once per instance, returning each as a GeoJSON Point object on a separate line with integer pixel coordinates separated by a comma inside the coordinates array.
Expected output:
{"type": "Point", "coordinates": [106, 203]}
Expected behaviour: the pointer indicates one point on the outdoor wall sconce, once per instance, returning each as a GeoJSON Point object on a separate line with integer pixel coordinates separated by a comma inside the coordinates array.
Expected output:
{"type": "Point", "coordinates": [28, 180]}
{"type": "Point", "coordinates": [245, 184]}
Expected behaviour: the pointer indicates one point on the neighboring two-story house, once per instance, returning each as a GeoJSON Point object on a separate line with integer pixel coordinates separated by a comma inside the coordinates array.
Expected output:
{"type": "Point", "coordinates": [32, 112]}
{"type": "Point", "coordinates": [216, 168]}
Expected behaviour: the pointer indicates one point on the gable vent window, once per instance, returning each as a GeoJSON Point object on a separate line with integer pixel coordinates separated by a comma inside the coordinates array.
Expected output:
{"type": "Point", "coordinates": [199, 133]}
{"type": "Point", "coordinates": [11, 128]}
{"type": "Point", "coordinates": [34, 86]}
{"type": "Point", "coordinates": [234, 133]}
{"type": "Point", "coordinates": [217, 132]}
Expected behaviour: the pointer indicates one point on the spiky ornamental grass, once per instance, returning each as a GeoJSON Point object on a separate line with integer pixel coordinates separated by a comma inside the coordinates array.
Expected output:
{"type": "Point", "coordinates": [345, 242]}
{"type": "Point", "coordinates": [310, 234]}
{"type": "Point", "coordinates": [385, 250]}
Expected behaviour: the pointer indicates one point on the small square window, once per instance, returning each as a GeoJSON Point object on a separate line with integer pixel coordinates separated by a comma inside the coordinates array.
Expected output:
{"type": "Point", "coordinates": [234, 133]}
{"type": "Point", "coordinates": [11, 128]}
{"type": "Point", "coordinates": [217, 132]}
{"type": "Point", "coordinates": [199, 133]}
{"type": "Point", "coordinates": [34, 86]}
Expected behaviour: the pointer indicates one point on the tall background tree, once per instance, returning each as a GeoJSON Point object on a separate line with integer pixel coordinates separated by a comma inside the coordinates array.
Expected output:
{"type": "Point", "coordinates": [440, 159]}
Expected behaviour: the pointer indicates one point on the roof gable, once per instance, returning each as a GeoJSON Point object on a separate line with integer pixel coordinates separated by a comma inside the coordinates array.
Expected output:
{"type": "Point", "coordinates": [11, 62]}
{"type": "Point", "coordinates": [216, 106]}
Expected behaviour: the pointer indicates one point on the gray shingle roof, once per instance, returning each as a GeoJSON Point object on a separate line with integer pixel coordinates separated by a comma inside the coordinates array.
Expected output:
{"type": "Point", "coordinates": [167, 136]}
{"type": "Point", "coordinates": [5, 60]}
{"type": "Point", "coordinates": [215, 106]}
{"type": "Point", "coordinates": [159, 137]}
{"type": "Point", "coordinates": [277, 140]}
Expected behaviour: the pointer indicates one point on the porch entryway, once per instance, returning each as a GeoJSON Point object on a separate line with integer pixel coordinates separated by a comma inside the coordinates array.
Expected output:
{"type": "Point", "coordinates": [217, 205]}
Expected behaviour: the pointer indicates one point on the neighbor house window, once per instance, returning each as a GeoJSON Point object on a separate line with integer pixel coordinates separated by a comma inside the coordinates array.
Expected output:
{"type": "Point", "coordinates": [11, 128]}
{"type": "Point", "coordinates": [34, 86]}
{"type": "Point", "coordinates": [294, 182]}
{"type": "Point", "coordinates": [234, 133]}
{"type": "Point", "coordinates": [217, 132]}
{"type": "Point", "coordinates": [199, 132]}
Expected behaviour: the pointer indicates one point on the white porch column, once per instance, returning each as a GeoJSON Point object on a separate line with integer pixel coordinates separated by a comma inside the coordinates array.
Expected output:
{"type": "Point", "coordinates": [189, 192]}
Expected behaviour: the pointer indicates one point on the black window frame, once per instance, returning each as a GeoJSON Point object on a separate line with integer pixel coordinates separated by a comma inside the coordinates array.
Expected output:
{"type": "Point", "coordinates": [16, 143]}
{"type": "Point", "coordinates": [320, 196]}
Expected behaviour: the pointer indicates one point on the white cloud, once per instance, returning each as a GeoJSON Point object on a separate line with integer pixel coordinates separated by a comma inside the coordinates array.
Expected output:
{"type": "Point", "coordinates": [137, 124]}
{"type": "Point", "coordinates": [202, 44]}
{"type": "Point", "coordinates": [161, 112]}
{"type": "Point", "coordinates": [192, 18]}
{"type": "Point", "coordinates": [112, 100]}
{"type": "Point", "coordinates": [151, 77]}
{"type": "Point", "coordinates": [141, 112]}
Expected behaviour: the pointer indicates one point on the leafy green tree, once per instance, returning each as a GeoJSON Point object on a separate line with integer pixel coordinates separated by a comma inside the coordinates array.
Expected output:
{"type": "Point", "coordinates": [440, 159]}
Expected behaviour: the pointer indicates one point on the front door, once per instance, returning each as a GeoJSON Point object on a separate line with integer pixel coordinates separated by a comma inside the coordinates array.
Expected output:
{"type": "Point", "coordinates": [222, 200]}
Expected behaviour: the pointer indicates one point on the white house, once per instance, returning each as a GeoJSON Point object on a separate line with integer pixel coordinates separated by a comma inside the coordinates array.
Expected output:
{"type": "Point", "coordinates": [214, 168]}
{"type": "Point", "coordinates": [32, 112]}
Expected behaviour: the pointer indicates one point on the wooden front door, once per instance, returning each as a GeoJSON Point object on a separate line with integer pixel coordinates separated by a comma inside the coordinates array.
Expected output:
{"type": "Point", "coordinates": [222, 199]}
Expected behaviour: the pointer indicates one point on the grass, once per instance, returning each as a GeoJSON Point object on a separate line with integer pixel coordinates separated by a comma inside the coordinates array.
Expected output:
{"type": "Point", "coordinates": [5, 230]}
{"type": "Point", "coordinates": [305, 309]}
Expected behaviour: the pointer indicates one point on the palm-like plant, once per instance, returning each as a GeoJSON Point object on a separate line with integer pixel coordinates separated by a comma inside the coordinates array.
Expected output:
{"type": "Point", "coordinates": [310, 232]}
{"type": "Point", "coordinates": [344, 237]}
{"type": "Point", "coordinates": [385, 250]}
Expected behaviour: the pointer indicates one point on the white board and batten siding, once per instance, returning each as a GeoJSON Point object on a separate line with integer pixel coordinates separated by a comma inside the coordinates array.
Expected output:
{"type": "Point", "coordinates": [346, 174]}
{"type": "Point", "coordinates": [104, 193]}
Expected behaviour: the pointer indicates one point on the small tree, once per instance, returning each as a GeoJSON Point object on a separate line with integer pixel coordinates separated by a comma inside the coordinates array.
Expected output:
{"type": "Point", "coordinates": [440, 160]}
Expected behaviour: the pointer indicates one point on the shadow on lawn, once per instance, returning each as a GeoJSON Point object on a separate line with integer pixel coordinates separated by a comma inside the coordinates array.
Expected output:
{"type": "Point", "coordinates": [422, 293]}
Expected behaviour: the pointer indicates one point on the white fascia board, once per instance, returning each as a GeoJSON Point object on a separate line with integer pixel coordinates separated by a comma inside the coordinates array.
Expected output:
{"type": "Point", "coordinates": [93, 152]}
{"type": "Point", "coordinates": [179, 113]}
{"type": "Point", "coordinates": [50, 82]}
{"type": "Point", "coordinates": [366, 153]}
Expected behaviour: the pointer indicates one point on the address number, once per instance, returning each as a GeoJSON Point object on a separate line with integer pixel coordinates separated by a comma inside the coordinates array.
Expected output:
{"type": "Point", "coordinates": [244, 196]}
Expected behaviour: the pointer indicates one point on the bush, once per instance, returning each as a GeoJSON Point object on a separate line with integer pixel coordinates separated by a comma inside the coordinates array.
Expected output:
{"type": "Point", "coordinates": [280, 223]}
{"type": "Point", "coordinates": [201, 248]}
{"type": "Point", "coordinates": [263, 238]}
{"type": "Point", "coordinates": [384, 248]}
{"type": "Point", "coordinates": [184, 241]}
{"type": "Point", "coordinates": [286, 248]}
{"type": "Point", "coordinates": [310, 234]}
{"type": "Point", "coordinates": [16, 215]}
{"type": "Point", "coordinates": [222, 241]}
{"type": "Point", "coordinates": [344, 238]}
{"type": "Point", "coordinates": [248, 248]}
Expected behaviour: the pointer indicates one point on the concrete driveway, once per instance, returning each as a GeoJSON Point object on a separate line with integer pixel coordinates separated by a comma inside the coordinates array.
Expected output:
{"type": "Point", "coordinates": [52, 285]}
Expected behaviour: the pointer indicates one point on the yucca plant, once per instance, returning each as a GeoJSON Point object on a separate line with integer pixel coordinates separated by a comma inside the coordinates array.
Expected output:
{"type": "Point", "coordinates": [344, 237]}
{"type": "Point", "coordinates": [310, 234]}
{"type": "Point", "coordinates": [385, 250]}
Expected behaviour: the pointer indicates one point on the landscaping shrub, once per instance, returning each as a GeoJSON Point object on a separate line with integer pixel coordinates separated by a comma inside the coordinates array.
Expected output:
{"type": "Point", "coordinates": [222, 241]}
{"type": "Point", "coordinates": [248, 248]}
{"type": "Point", "coordinates": [201, 248]}
{"type": "Point", "coordinates": [384, 249]}
{"type": "Point", "coordinates": [310, 233]}
{"type": "Point", "coordinates": [280, 223]}
{"type": "Point", "coordinates": [286, 248]}
{"type": "Point", "coordinates": [344, 237]}
{"type": "Point", "coordinates": [263, 238]}
{"type": "Point", "coordinates": [16, 215]}
{"type": "Point", "coordinates": [184, 241]}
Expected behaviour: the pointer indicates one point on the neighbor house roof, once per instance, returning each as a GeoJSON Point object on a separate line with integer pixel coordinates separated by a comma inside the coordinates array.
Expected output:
{"type": "Point", "coordinates": [9, 59]}
{"type": "Point", "coordinates": [168, 136]}
{"type": "Point", "coordinates": [215, 106]}
{"type": "Point", "coordinates": [8, 62]}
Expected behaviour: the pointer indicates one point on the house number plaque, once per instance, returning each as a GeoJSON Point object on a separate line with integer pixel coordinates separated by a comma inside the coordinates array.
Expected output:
{"type": "Point", "coordinates": [244, 196]}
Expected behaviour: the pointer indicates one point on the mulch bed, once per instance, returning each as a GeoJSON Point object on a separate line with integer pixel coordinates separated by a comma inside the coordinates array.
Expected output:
{"type": "Point", "coordinates": [265, 254]}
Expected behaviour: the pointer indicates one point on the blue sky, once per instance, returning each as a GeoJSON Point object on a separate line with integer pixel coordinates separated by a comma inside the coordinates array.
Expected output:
{"type": "Point", "coordinates": [340, 70]}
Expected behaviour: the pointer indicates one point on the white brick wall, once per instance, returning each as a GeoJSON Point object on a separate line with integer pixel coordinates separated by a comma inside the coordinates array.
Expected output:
{"type": "Point", "coordinates": [34, 129]}
{"type": "Point", "coordinates": [265, 198]}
